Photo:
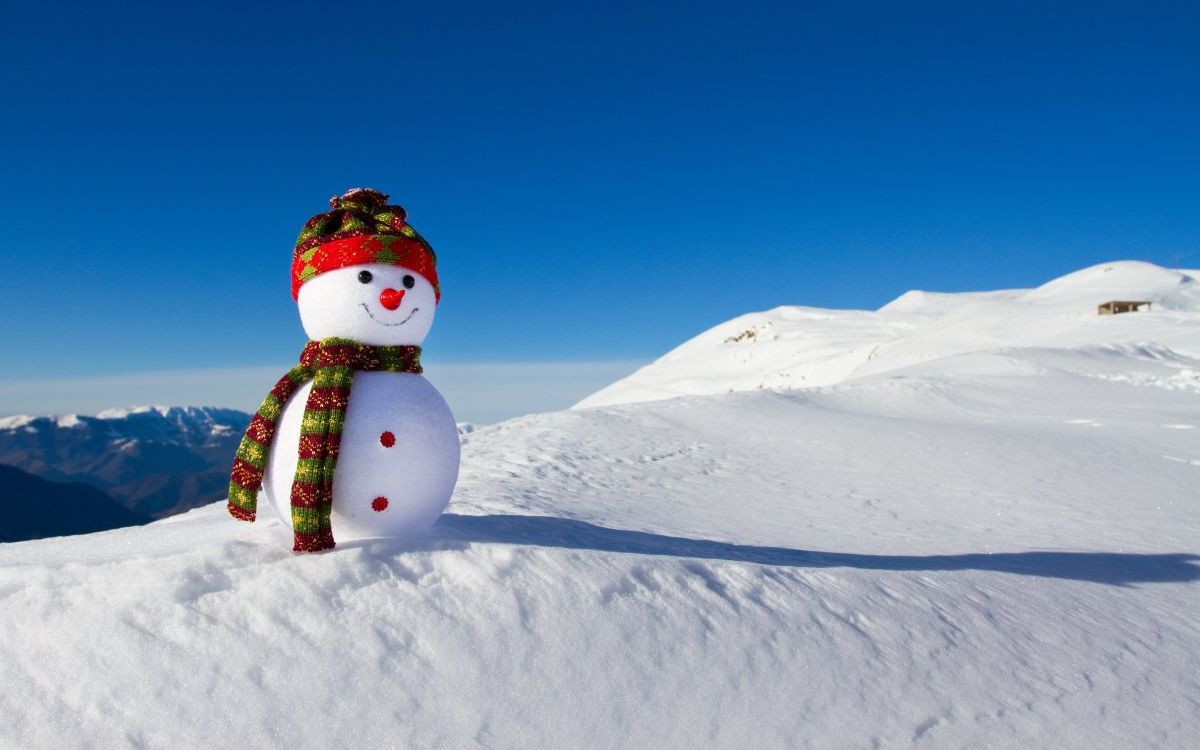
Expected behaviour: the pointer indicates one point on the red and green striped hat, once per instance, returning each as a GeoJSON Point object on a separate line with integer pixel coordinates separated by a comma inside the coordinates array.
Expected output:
{"type": "Point", "coordinates": [361, 228]}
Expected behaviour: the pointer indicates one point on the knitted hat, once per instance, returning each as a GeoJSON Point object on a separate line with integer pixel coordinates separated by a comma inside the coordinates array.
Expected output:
{"type": "Point", "coordinates": [361, 228]}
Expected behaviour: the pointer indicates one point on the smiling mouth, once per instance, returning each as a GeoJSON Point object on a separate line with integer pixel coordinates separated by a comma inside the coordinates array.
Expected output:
{"type": "Point", "coordinates": [390, 325]}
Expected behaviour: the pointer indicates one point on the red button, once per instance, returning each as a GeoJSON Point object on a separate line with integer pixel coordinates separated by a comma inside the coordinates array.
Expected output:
{"type": "Point", "coordinates": [387, 439]}
{"type": "Point", "coordinates": [379, 504]}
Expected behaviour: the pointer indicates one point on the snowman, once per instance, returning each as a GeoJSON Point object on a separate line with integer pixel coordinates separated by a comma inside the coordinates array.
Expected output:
{"type": "Point", "coordinates": [353, 439]}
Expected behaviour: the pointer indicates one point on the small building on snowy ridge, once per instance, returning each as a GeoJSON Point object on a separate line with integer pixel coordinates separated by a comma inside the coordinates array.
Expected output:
{"type": "Point", "coordinates": [1117, 306]}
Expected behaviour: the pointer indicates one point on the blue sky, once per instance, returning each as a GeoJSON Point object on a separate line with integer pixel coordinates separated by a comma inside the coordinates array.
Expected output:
{"type": "Point", "coordinates": [601, 181]}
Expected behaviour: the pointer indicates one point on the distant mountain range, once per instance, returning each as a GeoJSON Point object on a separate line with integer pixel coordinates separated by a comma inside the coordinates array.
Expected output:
{"type": "Point", "coordinates": [35, 508]}
{"type": "Point", "coordinates": [153, 461]}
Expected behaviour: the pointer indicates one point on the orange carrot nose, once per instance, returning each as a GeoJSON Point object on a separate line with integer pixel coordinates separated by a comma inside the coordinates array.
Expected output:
{"type": "Point", "coordinates": [391, 298]}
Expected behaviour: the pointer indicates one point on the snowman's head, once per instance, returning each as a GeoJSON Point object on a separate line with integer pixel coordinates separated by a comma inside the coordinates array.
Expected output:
{"type": "Point", "coordinates": [373, 303]}
{"type": "Point", "coordinates": [361, 272]}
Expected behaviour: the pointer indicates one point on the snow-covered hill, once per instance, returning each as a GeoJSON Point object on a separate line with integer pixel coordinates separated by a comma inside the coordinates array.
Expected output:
{"type": "Point", "coordinates": [991, 548]}
{"type": "Point", "coordinates": [797, 347]}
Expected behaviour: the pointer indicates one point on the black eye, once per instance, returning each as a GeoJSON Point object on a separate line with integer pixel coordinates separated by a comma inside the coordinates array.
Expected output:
{"type": "Point", "coordinates": [409, 282]}
{"type": "Point", "coordinates": [365, 277]}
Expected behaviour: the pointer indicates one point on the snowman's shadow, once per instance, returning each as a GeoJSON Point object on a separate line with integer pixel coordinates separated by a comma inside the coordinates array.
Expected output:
{"type": "Point", "coordinates": [1112, 568]}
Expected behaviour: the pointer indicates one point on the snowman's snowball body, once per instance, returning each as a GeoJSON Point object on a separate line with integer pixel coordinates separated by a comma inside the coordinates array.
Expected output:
{"type": "Point", "coordinates": [399, 454]}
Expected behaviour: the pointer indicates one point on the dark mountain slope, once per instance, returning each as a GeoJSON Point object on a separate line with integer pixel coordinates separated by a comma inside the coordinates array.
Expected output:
{"type": "Point", "coordinates": [32, 508]}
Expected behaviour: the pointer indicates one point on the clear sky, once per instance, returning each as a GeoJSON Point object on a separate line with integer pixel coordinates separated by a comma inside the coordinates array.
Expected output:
{"type": "Point", "coordinates": [601, 181]}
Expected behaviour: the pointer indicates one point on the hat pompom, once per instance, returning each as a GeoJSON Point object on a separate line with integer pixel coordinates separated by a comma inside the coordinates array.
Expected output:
{"type": "Point", "coordinates": [365, 200]}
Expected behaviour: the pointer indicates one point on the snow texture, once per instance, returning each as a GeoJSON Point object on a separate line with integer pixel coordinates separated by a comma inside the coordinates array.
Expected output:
{"type": "Point", "coordinates": [992, 547]}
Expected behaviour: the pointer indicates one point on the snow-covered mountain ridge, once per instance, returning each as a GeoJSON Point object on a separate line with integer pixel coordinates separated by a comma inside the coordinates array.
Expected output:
{"type": "Point", "coordinates": [798, 347]}
{"type": "Point", "coordinates": [190, 420]}
{"type": "Point", "coordinates": [155, 460]}
{"type": "Point", "coordinates": [994, 548]}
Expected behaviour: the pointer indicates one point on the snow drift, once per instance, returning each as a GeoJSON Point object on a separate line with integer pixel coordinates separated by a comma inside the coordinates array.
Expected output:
{"type": "Point", "coordinates": [985, 546]}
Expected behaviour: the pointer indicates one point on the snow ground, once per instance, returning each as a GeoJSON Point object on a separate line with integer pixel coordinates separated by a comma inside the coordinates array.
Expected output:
{"type": "Point", "coordinates": [992, 548]}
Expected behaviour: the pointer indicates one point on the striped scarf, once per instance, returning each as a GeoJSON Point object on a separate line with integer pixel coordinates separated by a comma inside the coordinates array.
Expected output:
{"type": "Point", "coordinates": [330, 364]}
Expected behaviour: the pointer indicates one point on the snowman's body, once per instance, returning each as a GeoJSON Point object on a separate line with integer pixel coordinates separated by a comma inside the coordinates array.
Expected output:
{"type": "Point", "coordinates": [398, 460]}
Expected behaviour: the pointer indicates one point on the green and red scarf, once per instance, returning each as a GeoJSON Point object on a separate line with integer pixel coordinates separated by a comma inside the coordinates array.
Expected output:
{"type": "Point", "coordinates": [330, 364]}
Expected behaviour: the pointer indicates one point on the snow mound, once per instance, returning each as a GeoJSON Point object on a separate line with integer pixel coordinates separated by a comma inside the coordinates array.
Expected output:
{"type": "Point", "coordinates": [1136, 280]}
{"type": "Point", "coordinates": [997, 549]}
{"type": "Point", "coordinates": [801, 347]}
